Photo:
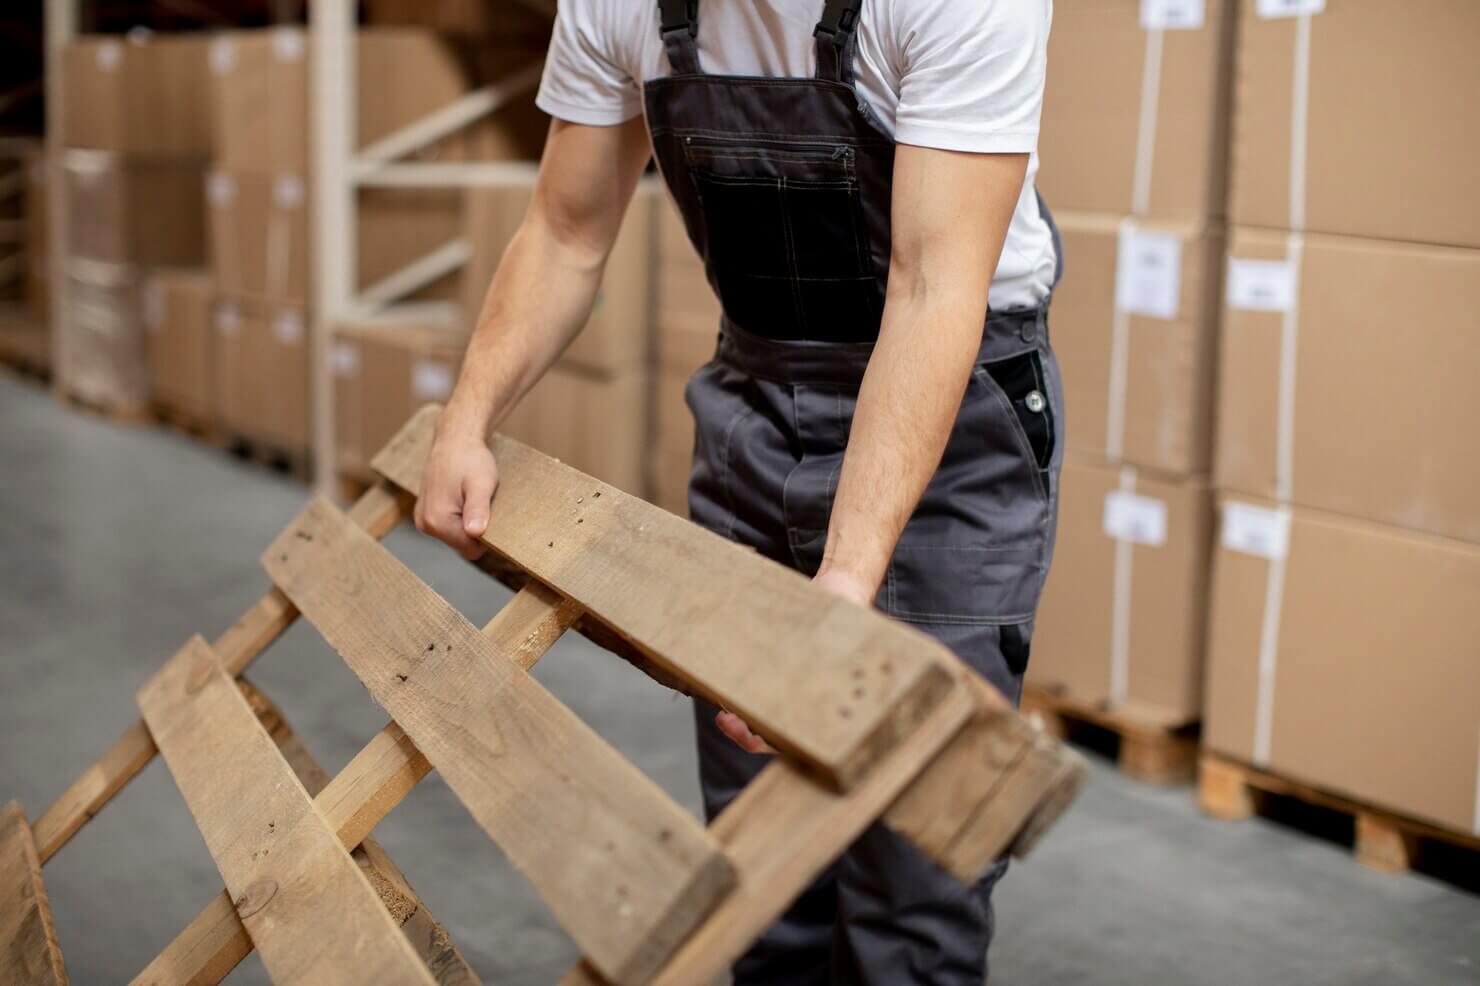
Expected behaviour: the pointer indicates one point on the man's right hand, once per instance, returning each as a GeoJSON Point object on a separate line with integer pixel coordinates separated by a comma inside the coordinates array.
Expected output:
{"type": "Point", "coordinates": [457, 488]}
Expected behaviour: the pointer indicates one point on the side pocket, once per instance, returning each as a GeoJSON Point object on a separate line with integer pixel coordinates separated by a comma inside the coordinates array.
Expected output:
{"type": "Point", "coordinates": [1022, 381]}
{"type": "Point", "coordinates": [1017, 643]}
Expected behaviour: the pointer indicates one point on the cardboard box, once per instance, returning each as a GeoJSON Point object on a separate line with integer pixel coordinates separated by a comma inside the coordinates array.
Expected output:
{"type": "Point", "coordinates": [144, 95]}
{"type": "Point", "coordinates": [105, 360]}
{"type": "Point", "coordinates": [135, 211]}
{"type": "Point", "coordinates": [599, 423]}
{"type": "Point", "coordinates": [689, 313]}
{"type": "Point", "coordinates": [260, 86]}
{"type": "Point", "coordinates": [262, 374]}
{"type": "Point", "coordinates": [1400, 167]}
{"type": "Point", "coordinates": [37, 211]}
{"type": "Point", "coordinates": [1151, 291]}
{"type": "Point", "coordinates": [1370, 653]}
{"type": "Point", "coordinates": [1380, 414]}
{"type": "Point", "coordinates": [1123, 613]}
{"type": "Point", "coordinates": [1105, 130]}
{"type": "Point", "coordinates": [178, 308]}
{"type": "Point", "coordinates": [491, 22]}
{"type": "Point", "coordinates": [347, 367]}
{"type": "Point", "coordinates": [619, 335]}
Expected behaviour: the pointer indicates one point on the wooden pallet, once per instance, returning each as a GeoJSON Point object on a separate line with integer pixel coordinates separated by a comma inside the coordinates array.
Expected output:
{"type": "Point", "coordinates": [1147, 749]}
{"type": "Point", "coordinates": [1382, 840]}
{"type": "Point", "coordinates": [874, 720]}
{"type": "Point", "coordinates": [25, 343]}
{"type": "Point", "coordinates": [189, 425]}
{"type": "Point", "coordinates": [295, 463]}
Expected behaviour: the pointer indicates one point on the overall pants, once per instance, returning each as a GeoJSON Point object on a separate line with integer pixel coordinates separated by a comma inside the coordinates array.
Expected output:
{"type": "Point", "coordinates": [784, 188]}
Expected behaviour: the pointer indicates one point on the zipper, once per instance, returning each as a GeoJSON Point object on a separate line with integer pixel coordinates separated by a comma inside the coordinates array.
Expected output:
{"type": "Point", "coordinates": [836, 151]}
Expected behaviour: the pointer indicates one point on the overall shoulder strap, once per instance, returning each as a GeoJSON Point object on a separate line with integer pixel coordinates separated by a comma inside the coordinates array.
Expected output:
{"type": "Point", "coordinates": [836, 35]}
{"type": "Point", "coordinates": [678, 22]}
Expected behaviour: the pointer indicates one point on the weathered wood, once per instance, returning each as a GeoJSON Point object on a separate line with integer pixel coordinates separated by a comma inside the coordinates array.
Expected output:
{"type": "Point", "coordinates": [625, 869]}
{"type": "Point", "coordinates": [849, 686]}
{"type": "Point", "coordinates": [368, 788]}
{"type": "Point", "coordinates": [29, 955]}
{"type": "Point", "coordinates": [781, 832]}
{"type": "Point", "coordinates": [970, 805]}
{"type": "Point", "coordinates": [305, 903]}
{"type": "Point", "coordinates": [379, 510]}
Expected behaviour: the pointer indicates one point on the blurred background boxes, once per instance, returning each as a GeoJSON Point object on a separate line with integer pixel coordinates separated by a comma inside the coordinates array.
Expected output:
{"type": "Point", "coordinates": [1357, 672]}
{"type": "Point", "coordinates": [178, 309]}
{"type": "Point", "coordinates": [262, 364]}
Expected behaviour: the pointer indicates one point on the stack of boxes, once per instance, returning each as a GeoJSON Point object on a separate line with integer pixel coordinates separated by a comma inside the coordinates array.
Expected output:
{"type": "Point", "coordinates": [137, 133]}
{"type": "Point", "coordinates": [592, 408]}
{"type": "Point", "coordinates": [1344, 640]}
{"type": "Point", "coordinates": [688, 327]}
{"type": "Point", "coordinates": [1134, 144]}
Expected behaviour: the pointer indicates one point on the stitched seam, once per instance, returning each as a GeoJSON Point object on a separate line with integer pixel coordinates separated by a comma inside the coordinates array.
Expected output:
{"type": "Point", "coordinates": [725, 471]}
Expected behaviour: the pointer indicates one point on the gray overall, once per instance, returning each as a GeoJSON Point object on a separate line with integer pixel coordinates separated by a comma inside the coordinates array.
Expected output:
{"type": "Point", "coordinates": [784, 188]}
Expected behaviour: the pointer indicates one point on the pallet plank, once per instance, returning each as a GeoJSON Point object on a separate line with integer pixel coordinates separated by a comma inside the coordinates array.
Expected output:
{"type": "Point", "coordinates": [306, 904]}
{"type": "Point", "coordinates": [850, 685]}
{"type": "Point", "coordinates": [378, 511]}
{"type": "Point", "coordinates": [625, 869]}
{"type": "Point", "coordinates": [355, 801]}
{"type": "Point", "coordinates": [29, 955]}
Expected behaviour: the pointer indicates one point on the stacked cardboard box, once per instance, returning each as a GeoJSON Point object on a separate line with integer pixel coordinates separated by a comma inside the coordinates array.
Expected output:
{"type": "Point", "coordinates": [259, 205]}
{"type": "Point", "coordinates": [592, 409]}
{"type": "Point", "coordinates": [1134, 145]}
{"type": "Point", "coordinates": [178, 308]}
{"type": "Point", "coordinates": [688, 327]}
{"type": "Point", "coordinates": [37, 215]}
{"type": "Point", "coordinates": [1343, 639]}
{"type": "Point", "coordinates": [137, 133]}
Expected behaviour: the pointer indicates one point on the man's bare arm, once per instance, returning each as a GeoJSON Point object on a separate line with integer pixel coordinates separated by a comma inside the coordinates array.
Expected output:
{"type": "Point", "coordinates": [951, 213]}
{"type": "Point", "coordinates": [540, 299]}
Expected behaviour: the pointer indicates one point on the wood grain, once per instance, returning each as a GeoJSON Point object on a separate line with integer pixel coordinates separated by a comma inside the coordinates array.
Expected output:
{"type": "Point", "coordinates": [308, 907]}
{"type": "Point", "coordinates": [625, 870]}
{"type": "Point", "coordinates": [379, 510]}
{"type": "Point", "coordinates": [29, 955]}
{"type": "Point", "coordinates": [831, 684]}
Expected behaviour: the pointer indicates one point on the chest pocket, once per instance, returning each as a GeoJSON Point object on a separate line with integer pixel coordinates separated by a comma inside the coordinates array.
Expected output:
{"type": "Point", "coordinates": [787, 238]}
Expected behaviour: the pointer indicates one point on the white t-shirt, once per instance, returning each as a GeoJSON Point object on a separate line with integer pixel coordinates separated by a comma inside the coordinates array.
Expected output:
{"type": "Point", "coordinates": [959, 75]}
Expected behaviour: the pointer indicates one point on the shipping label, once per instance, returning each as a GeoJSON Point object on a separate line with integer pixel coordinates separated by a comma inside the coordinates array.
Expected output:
{"type": "Point", "coordinates": [1134, 518]}
{"type": "Point", "coordinates": [1148, 274]}
{"type": "Point", "coordinates": [1255, 530]}
{"type": "Point", "coordinates": [1172, 15]}
{"type": "Point", "coordinates": [1261, 285]}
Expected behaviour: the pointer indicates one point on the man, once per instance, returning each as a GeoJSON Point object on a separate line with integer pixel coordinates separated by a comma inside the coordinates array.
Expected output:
{"type": "Point", "coordinates": [864, 419]}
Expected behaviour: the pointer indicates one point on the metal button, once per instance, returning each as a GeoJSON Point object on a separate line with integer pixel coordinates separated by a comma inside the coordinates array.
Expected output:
{"type": "Point", "coordinates": [1035, 402]}
{"type": "Point", "coordinates": [1029, 331]}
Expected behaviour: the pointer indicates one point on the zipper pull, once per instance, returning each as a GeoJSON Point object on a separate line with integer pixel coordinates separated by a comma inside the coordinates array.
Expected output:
{"type": "Point", "coordinates": [842, 151]}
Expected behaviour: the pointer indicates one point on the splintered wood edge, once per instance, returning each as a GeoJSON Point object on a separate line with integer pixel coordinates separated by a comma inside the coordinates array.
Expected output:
{"type": "Point", "coordinates": [837, 754]}
{"type": "Point", "coordinates": [13, 817]}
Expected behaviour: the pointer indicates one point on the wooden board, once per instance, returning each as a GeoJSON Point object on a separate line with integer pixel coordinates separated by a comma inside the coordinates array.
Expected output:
{"type": "Point", "coordinates": [354, 802]}
{"type": "Point", "coordinates": [625, 870]}
{"type": "Point", "coordinates": [29, 955]}
{"type": "Point", "coordinates": [307, 906]}
{"type": "Point", "coordinates": [378, 511]}
{"type": "Point", "coordinates": [849, 685]}
{"type": "Point", "coordinates": [1152, 748]}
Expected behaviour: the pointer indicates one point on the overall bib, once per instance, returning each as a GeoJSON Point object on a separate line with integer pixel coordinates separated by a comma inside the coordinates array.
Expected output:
{"type": "Point", "coordinates": [784, 188]}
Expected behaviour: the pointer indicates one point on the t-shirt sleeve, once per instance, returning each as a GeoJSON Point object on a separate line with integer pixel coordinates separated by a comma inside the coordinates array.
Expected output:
{"type": "Point", "coordinates": [971, 73]}
{"type": "Point", "coordinates": [584, 79]}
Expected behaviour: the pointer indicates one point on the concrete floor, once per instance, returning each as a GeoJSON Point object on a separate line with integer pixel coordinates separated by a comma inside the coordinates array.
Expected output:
{"type": "Point", "coordinates": [116, 544]}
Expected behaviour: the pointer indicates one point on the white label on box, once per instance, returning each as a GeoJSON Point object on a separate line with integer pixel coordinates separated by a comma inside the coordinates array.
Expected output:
{"type": "Point", "coordinates": [344, 358]}
{"type": "Point", "coordinates": [287, 44]}
{"type": "Point", "coordinates": [110, 55]}
{"type": "Point", "coordinates": [1289, 8]}
{"type": "Point", "coordinates": [221, 189]}
{"type": "Point", "coordinates": [1261, 285]}
{"type": "Point", "coordinates": [431, 380]}
{"type": "Point", "coordinates": [289, 191]}
{"type": "Point", "coordinates": [228, 319]}
{"type": "Point", "coordinates": [288, 327]}
{"type": "Point", "coordinates": [223, 56]}
{"type": "Point", "coordinates": [1148, 274]}
{"type": "Point", "coordinates": [1137, 519]}
{"type": "Point", "coordinates": [1256, 530]}
{"type": "Point", "coordinates": [1172, 15]}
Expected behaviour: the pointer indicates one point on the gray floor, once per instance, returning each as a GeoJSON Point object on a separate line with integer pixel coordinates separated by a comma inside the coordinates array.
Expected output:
{"type": "Point", "coordinates": [116, 544]}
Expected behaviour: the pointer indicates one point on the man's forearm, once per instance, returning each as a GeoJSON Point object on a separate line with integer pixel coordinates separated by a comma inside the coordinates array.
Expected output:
{"type": "Point", "coordinates": [539, 300]}
{"type": "Point", "coordinates": [907, 406]}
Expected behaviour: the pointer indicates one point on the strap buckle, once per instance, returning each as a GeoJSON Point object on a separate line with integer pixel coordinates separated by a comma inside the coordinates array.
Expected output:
{"type": "Point", "coordinates": [838, 21]}
{"type": "Point", "coordinates": [676, 15]}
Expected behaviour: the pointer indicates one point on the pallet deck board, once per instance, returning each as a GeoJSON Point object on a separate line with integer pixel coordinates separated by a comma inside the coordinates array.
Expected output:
{"type": "Point", "coordinates": [29, 954]}
{"type": "Point", "coordinates": [310, 911]}
{"type": "Point", "coordinates": [1382, 839]}
{"type": "Point", "coordinates": [1153, 749]}
{"type": "Point", "coordinates": [626, 870]}
{"type": "Point", "coordinates": [848, 685]}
